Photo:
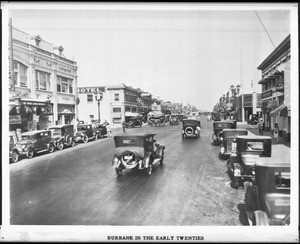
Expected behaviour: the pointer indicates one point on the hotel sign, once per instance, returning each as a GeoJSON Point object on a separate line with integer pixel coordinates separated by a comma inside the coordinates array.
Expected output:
{"type": "Point", "coordinates": [95, 90]}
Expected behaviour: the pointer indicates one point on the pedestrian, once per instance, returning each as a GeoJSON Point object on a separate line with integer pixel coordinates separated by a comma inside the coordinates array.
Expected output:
{"type": "Point", "coordinates": [123, 126]}
{"type": "Point", "coordinates": [261, 126]}
{"type": "Point", "coordinates": [276, 132]}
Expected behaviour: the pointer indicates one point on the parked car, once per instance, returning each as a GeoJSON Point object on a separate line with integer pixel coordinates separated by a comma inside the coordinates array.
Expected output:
{"type": "Point", "coordinates": [85, 132]}
{"type": "Point", "coordinates": [13, 151]}
{"type": "Point", "coordinates": [249, 150]}
{"type": "Point", "coordinates": [218, 126]}
{"type": "Point", "coordinates": [267, 197]}
{"type": "Point", "coordinates": [134, 121]}
{"type": "Point", "coordinates": [34, 142]}
{"type": "Point", "coordinates": [174, 120]}
{"type": "Point", "coordinates": [190, 127]}
{"type": "Point", "coordinates": [158, 120]}
{"type": "Point", "coordinates": [63, 135]}
{"type": "Point", "coordinates": [253, 119]}
{"type": "Point", "coordinates": [101, 131]}
{"type": "Point", "coordinates": [228, 141]}
{"type": "Point", "coordinates": [140, 151]}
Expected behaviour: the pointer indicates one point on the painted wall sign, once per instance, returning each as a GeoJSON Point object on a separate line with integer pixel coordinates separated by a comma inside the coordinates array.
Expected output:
{"type": "Point", "coordinates": [83, 90]}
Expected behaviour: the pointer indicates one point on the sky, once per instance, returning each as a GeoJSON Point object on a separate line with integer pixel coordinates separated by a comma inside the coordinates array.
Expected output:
{"type": "Point", "coordinates": [190, 55]}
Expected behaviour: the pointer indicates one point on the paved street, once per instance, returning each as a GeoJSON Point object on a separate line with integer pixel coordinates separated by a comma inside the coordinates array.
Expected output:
{"type": "Point", "coordinates": [78, 186]}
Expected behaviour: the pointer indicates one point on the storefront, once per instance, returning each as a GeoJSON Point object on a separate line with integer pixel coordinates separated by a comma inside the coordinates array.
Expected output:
{"type": "Point", "coordinates": [66, 114]}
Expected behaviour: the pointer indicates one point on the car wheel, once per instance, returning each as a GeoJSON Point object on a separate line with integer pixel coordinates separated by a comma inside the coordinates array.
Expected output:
{"type": "Point", "coordinates": [14, 157]}
{"type": "Point", "coordinates": [119, 171]}
{"type": "Point", "coordinates": [85, 139]}
{"type": "Point", "coordinates": [250, 197]}
{"type": "Point", "coordinates": [72, 142]}
{"type": "Point", "coordinates": [51, 147]}
{"type": "Point", "coordinates": [30, 153]}
{"type": "Point", "coordinates": [100, 136]}
{"type": "Point", "coordinates": [149, 169]}
{"type": "Point", "coordinates": [60, 146]}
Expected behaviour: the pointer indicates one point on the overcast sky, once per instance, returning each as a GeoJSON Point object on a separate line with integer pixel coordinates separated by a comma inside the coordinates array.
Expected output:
{"type": "Point", "coordinates": [181, 55]}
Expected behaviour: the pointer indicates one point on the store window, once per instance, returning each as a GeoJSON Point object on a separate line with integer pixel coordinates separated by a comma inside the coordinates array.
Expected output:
{"type": "Point", "coordinates": [89, 97]}
{"type": "Point", "coordinates": [42, 80]}
{"type": "Point", "coordinates": [64, 85]}
{"type": "Point", "coordinates": [117, 98]}
{"type": "Point", "coordinates": [20, 74]}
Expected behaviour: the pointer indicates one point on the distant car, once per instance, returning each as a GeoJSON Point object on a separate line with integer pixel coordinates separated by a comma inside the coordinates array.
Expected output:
{"type": "Point", "coordinates": [63, 135]}
{"type": "Point", "coordinates": [267, 197]}
{"type": "Point", "coordinates": [140, 151]}
{"type": "Point", "coordinates": [133, 122]}
{"type": "Point", "coordinates": [13, 151]}
{"type": "Point", "coordinates": [253, 119]}
{"type": "Point", "coordinates": [190, 127]}
{"type": "Point", "coordinates": [34, 142]}
{"type": "Point", "coordinates": [174, 120]}
{"type": "Point", "coordinates": [218, 126]}
{"type": "Point", "coordinates": [228, 144]}
{"type": "Point", "coordinates": [249, 150]}
{"type": "Point", "coordinates": [101, 131]}
{"type": "Point", "coordinates": [84, 133]}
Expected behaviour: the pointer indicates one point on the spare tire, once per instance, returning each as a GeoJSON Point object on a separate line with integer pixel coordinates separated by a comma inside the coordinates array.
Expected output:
{"type": "Point", "coordinates": [129, 159]}
{"type": "Point", "coordinates": [189, 130]}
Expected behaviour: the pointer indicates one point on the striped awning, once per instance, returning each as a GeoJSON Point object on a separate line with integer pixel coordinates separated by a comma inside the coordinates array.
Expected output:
{"type": "Point", "coordinates": [281, 110]}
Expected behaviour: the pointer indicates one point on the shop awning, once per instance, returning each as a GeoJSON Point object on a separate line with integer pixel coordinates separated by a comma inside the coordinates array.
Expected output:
{"type": "Point", "coordinates": [67, 112]}
{"type": "Point", "coordinates": [131, 114]}
{"type": "Point", "coordinates": [281, 110]}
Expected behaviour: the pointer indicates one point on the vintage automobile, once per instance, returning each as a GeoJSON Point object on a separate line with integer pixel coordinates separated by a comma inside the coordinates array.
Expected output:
{"type": "Point", "coordinates": [267, 197]}
{"type": "Point", "coordinates": [174, 120]}
{"type": "Point", "coordinates": [249, 150]}
{"type": "Point", "coordinates": [13, 151]}
{"type": "Point", "coordinates": [85, 132]}
{"type": "Point", "coordinates": [190, 127]}
{"type": "Point", "coordinates": [36, 141]}
{"type": "Point", "coordinates": [218, 126]}
{"type": "Point", "coordinates": [158, 120]}
{"type": "Point", "coordinates": [228, 141]}
{"type": "Point", "coordinates": [253, 119]}
{"type": "Point", "coordinates": [63, 135]}
{"type": "Point", "coordinates": [134, 121]}
{"type": "Point", "coordinates": [101, 131]}
{"type": "Point", "coordinates": [140, 151]}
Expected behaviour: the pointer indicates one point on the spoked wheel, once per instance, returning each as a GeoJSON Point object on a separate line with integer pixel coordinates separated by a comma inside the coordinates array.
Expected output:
{"type": "Point", "coordinates": [85, 139]}
{"type": "Point", "coordinates": [51, 148]}
{"type": "Point", "coordinates": [149, 169]}
{"type": "Point", "coordinates": [30, 153]}
{"type": "Point", "coordinates": [119, 171]}
{"type": "Point", "coordinates": [60, 146]}
{"type": "Point", "coordinates": [14, 156]}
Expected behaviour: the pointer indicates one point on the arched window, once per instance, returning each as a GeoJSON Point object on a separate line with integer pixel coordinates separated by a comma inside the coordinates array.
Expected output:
{"type": "Point", "coordinates": [20, 74]}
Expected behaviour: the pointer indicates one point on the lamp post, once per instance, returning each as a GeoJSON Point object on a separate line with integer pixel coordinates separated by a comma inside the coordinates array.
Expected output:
{"type": "Point", "coordinates": [99, 97]}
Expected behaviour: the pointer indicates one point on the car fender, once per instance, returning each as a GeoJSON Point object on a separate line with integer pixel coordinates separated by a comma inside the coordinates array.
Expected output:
{"type": "Point", "coordinates": [261, 218]}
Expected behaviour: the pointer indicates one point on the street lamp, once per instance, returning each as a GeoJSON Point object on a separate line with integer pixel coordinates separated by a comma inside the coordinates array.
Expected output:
{"type": "Point", "coordinates": [99, 97]}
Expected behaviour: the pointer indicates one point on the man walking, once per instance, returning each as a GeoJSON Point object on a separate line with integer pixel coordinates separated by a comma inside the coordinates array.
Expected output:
{"type": "Point", "coordinates": [261, 126]}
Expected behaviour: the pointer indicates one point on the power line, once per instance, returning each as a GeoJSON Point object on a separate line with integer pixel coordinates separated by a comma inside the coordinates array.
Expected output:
{"type": "Point", "coordinates": [265, 29]}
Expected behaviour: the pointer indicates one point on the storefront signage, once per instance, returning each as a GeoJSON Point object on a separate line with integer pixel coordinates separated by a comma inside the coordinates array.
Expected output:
{"type": "Point", "coordinates": [95, 90]}
{"type": "Point", "coordinates": [34, 103]}
{"type": "Point", "coordinates": [15, 119]}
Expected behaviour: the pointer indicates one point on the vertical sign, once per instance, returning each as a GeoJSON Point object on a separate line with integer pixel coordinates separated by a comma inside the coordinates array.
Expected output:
{"type": "Point", "coordinates": [287, 82]}
{"type": "Point", "coordinates": [11, 58]}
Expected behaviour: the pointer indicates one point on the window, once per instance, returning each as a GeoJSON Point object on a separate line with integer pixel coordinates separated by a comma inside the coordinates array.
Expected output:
{"type": "Point", "coordinates": [116, 110]}
{"type": "Point", "coordinates": [20, 74]}
{"type": "Point", "coordinates": [89, 97]}
{"type": "Point", "coordinates": [42, 80]}
{"type": "Point", "coordinates": [64, 85]}
{"type": "Point", "coordinates": [134, 109]}
{"type": "Point", "coordinates": [117, 97]}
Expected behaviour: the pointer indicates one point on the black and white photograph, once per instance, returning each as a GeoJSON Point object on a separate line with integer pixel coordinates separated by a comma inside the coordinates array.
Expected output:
{"type": "Point", "coordinates": [150, 122]}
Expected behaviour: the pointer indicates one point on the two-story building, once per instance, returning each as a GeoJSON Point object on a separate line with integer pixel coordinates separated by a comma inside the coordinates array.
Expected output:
{"type": "Point", "coordinates": [43, 85]}
{"type": "Point", "coordinates": [276, 88]}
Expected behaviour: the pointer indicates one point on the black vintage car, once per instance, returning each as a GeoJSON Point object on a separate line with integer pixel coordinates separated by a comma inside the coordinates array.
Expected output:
{"type": "Point", "coordinates": [132, 122]}
{"type": "Point", "coordinates": [267, 197]}
{"type": "Point", "coordinates": [249, 150]}
{"type": "Point", "coordinates": [33, 142]}
{"type": "Point", "coordinates": [190, 127]}
{"type": "Point", "coordinates": [138, 151]}
{"type": "Point", "coordinates": [85, 132]}
{"type": "Point", "coordinates": [101, 131]}
{"type": "Point", "coordinates": [174, 119]}
{"type": "Point", "coordinates": [218, 126]}
{"type": "Point", "coordinates": [228, 141]}
{"type": "Point", "coordinates": [63, 135]}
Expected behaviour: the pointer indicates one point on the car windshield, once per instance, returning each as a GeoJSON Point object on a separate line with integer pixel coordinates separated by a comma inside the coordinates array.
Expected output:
{"type": "Point", "coordinates": [27, 137]}
{"type": "Point", "coordinates": [136, 141]}
{"type": "Point", "coordinates": [255, 146]}
{"type": "Point", "coordinates": [189, 123]}
{"type": "Point", "coordinates": [81, 128]}
{"type": "Point", "coordinates": [55, 131]}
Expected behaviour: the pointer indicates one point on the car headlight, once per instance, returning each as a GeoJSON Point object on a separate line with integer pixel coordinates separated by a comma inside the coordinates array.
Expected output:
{"type": "Point", "coordinates": [81, 134]}
{"type": "Point", "coordinates": [237, 172]}
{"type": "Point", "coordinates": [182, 131]}
{"type": "Point", "coordinates": [221, 138]}
{"type": "Point", "coordinates": [222, 150]}
{"type": "Point", "coordinates": [23, 146]}
{"type": "Point", "coordinates": [215, 137]}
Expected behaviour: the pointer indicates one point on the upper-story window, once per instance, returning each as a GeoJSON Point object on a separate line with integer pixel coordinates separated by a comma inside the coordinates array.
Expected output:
{"type": "Point", "coordinates": [20, 74]}
{"type": "Point", "coordinates": [117, 98]}
{"type": "Point", "coordinates": [42, 81]}
{"type": "Point", "coordinates": [89, 97]}
{"type": "Point", "coordinates": [64, 85]}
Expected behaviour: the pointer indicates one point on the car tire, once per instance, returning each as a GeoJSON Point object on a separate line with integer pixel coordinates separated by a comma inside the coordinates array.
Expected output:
{"type": "Point", "coordinates": [30, 153]}
{"type": "Point", "coordinates": [73, 143]}
{"type": "Point", "coordinates": [119, 171]}
{"type": "Point", "coordinates": [51, 148]}
{"type": "Point", "coordinates": [85, 139]}
{"type": "Point", "coordinates": [14, 156]}
{"type": "Point", "coordinates": [60, 146]}
{"type": "Point", "coordinates": [148, 170]}
{"type": "Point", "coordinates": [250, 198]}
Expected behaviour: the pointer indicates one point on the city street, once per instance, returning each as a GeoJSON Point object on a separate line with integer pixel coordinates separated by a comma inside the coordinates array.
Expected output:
{"type": "Point", "coordinates": [79, 186]}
